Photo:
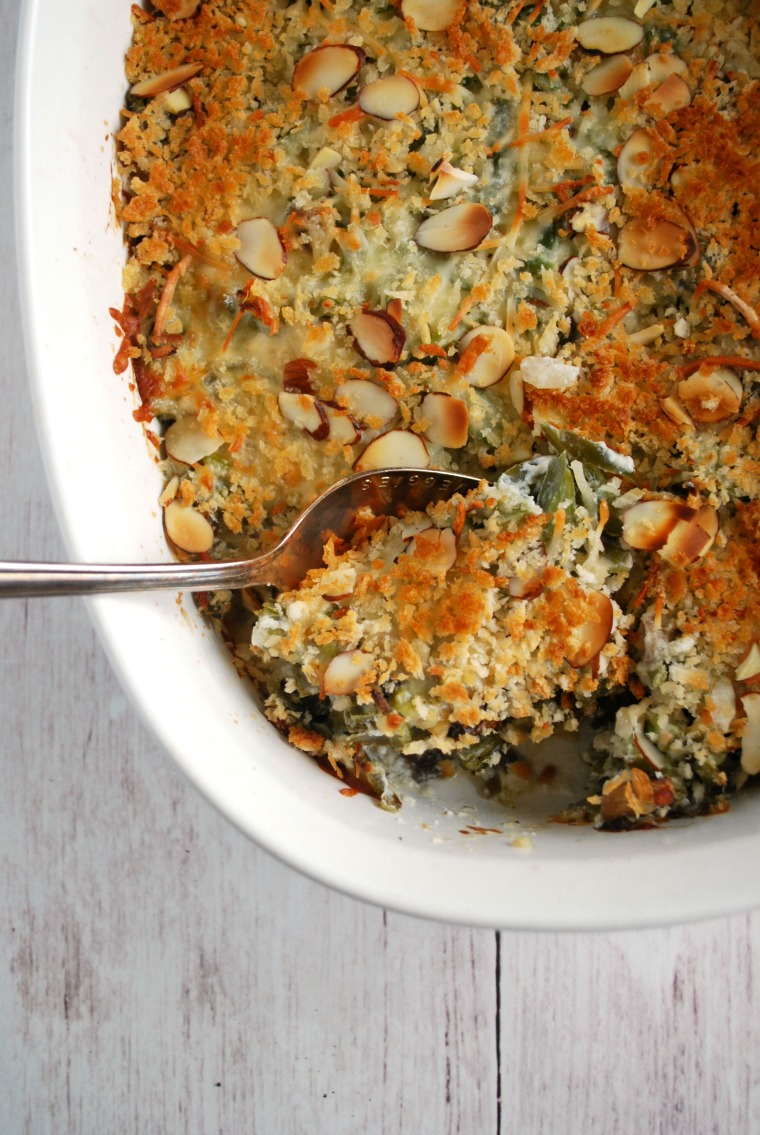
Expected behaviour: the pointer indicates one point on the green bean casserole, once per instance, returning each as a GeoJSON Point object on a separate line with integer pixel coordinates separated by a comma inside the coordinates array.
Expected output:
{"type": "Point", "coordinates": [518, 240]}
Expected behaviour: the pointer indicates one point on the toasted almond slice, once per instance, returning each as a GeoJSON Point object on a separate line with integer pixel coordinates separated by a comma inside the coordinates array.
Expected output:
{"type": "Point", "coordinates": [166, 81]}
{"type": "Point", "coordinates": [261, 250]}
{"type": "Point", "coordinates": [329, 68]}
{"type": "Point", "coordinates": [188, 442]}
{"type": "Point", "coordinates": [367, 402]}
{"type": "Point", "coordinates": [675, 411]}
{"type": "Point", "coordinates": [672, 95]}
{"type": "Point", "coordinates": [636, 164]}
{"type": "Point", "coordinates": [647, 748]}
{"type": "Point", "coordinates": [608, 76]}
{"type": "Point", "coordinates": [326, 159]}
{"type": "Point", "coordinates": [647, 335]}
{"type": "Point", "coordinates": [749, 667]}
{"type": "Point", "coordinates": [169, 491]}
{"type": "Point", "coordinates": [389, 97]}
{"type": "Point", "coordinates": [711, 395]}
{"type": "Point", "coordinates": [707, 518]}
{"type": "Point", "coordinates": [176, 101]}
{"type": "Point", "coordinates": [751, 735]}
{"type": "Point", "coordinates": [188, 528]}
{"type": "Point", "coordinates": [648, 524]}
{"type": "Point", "coordinates": [448, 420]}
{"type": "Point", "coordinates": [722, 707]}
{"type": "Point", "coordinates": [379, 338]}
{"type": "Point", "coordinates": [430, 15]}
{"type": "Point", "coordinates": [451, 180]}
{"type": "Point", "coordinates": [456, 229]}
{"type": "Point", "coordinates": [345, 671]}
{"type": "Point", "coordinates": [396, 449]}
{"type": "Point", "coordinates": [490, 366]}
{"type": "Point", "coordinates": [590, 636]}
{"type": "Point", "coordinates": [686, 542]}
{"type": "Point", "coordinates": [651, 245]}
{"type": "Point", "coordinates": [435, 547]}
{"type": "Point", "coordinates": [304, 411]}
{"type": "Point", "coordinates": [639, 78]}
{"type": "Point", "coordinates": [341, 426]}
{"type": "Point", "coordinates": [642, 7]}
{"type": "Point", "coordinates": [296, 375]}
{"type": "Point", "coordinates": [663, 64]}
{"type": "Point", "coordinates": [609, 34]}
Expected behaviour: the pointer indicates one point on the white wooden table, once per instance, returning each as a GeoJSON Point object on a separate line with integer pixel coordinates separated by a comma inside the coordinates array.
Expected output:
{"type": "Point", "coordinates": [160, 974]}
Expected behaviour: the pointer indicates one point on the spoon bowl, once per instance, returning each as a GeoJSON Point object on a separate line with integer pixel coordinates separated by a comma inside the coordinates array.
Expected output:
{"type": "Point", "coordinates": [383, 491]}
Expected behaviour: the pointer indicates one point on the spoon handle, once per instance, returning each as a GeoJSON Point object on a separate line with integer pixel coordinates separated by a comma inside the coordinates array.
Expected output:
{"type": "Point", "coordinates": [29, 579]}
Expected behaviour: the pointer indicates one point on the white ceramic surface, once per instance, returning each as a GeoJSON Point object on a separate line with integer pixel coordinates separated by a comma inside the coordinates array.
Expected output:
{"type": "Point", "coordinates": [105, 485]}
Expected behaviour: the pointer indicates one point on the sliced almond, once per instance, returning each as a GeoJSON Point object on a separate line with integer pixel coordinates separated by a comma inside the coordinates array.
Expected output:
{"type": "Point", "coordinates": [186, 441]}
{"type": "Point", "coordinates": [329, 68]}
{"type": "Point", "coordinates": [751, 735]}
{"type": "Point", "coordinates": [707, 518]}
{"type": "Point", "coordinates": [435, 547]}
{"type": "Point", "coordinates": [188, 528]}
{"type": "Point", "coordinates": [591, 636]}
{"type": "Point", "coordinates": [648, 524]}
{"type": "Point", "coordinates": [636, 164]}
{"type": "Point", "coordinates": [686, 541]}
{"type": "Point", "coordinates": [304, 411]}
{"type": "Point", "coordinates": [493, 362]}
{"type": "Point", "coordinates": [176, 101]}
{"type": "Point", "coordinates": [379, 338]}
{"type": "Point", "coordinates": [390, 97]}
{"type": "Point", "coordinates": [609, 34]}
{"type": "Point", "coordinates": [261, 250]}
{"type": "Point", "coordinates": [326, 158]}
{"type": "Point", "coordinates": [647, 335]}
{"type": "Point", "coordinates": [672, 95]}
{"type": "Point", "coordinates": [711, 395]}
{"type": "Point", "coordinates": [448, 420]}
{"type": "Point", "coordinates": [663, 64]}
{"type": "Point", "coordinates": [341, 426]}
{"type": "Point", "coordinates": [396, 449]}
{"type": "Point", "coordinates": [296, 375]}
{"type": "Point", "coordinates": [324, 162]}
{"type": "Point", "coordinates": [722, 704]}
{"type": "Point", "coordinates": [639, 78]}
{"type": "Point", "coordinates": [345, 671]}
{"type": "Point", "coordinates": [649, 245]}
{"type": "Point", "coordinates": [456, 229]}
{"type": "Point", "coordinates": [749, 667]}
{"type": "Point", "coordinates": [608, 76]}
{"type": "Point", "coordinates": [367, 402]}
{"type": "Point", "coordinates": [647, 748]}
{"type": "Point", "coordinates": [675, 411]}
{"type": "Point", "coordinates": [642, 7]}
{"type": "Point", "coordinates": [451, 180]}
{"type": "Point", "coordinates": [166, 81]}
{"type": "Point", "coordinates": [430, 15]}
{"type": "Point", "coordinates": [169, 491]}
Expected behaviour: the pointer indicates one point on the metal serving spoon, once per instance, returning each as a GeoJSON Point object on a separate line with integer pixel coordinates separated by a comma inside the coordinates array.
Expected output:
{"type": "Point", "coordinates": [332, 513]}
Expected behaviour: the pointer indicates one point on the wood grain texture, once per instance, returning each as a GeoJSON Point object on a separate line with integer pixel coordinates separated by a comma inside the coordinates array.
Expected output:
{"type": "Point", "coordinates": [158, 973]}
{"type": "Point", "coordinates": [655, 1031]}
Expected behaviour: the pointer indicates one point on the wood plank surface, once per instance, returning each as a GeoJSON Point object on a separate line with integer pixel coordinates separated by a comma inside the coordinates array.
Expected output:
{"type": "Point", "coordinates": [158, 973]}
